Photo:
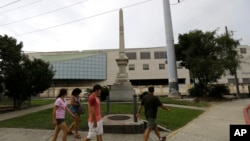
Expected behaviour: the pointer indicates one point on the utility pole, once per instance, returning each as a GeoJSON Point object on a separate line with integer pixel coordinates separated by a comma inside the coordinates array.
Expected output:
{"type": "Point", "coordinates": [172, 71]}
{"type": "Point", "coordinates": [235, 72]}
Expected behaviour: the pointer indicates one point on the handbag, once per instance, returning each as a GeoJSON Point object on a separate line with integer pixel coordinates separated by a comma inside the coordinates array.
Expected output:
{"type": "Point", "coordinates": [81, 109]}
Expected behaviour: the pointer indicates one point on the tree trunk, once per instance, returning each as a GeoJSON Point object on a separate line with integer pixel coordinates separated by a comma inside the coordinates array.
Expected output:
{"type": "Point", "coordinates": [237, 85]}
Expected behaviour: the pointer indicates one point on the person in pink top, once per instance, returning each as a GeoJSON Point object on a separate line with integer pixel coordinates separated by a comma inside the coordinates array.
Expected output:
{"type": "Point", "coordinates": [59, 115]}
{"type": "Point", "coordinates": [95, 118]}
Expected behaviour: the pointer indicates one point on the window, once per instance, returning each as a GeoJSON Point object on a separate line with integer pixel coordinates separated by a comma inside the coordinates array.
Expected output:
{"type": "Point", "coordinates": [145, 67]}
{"type": "Point", "coordinates": [161, 66]}
{"type": "Point", "coordinates": [131, 67]}
{"type": "Point", "coordinates": [246, 80]}
{"type": "Point", "coordinates": [131, 55]}
{"type": "Point", "coordinates": [145, 55]}
{"type": "Point", "coordinates": [160, 55]}
{"type": "Point", "coordinates": [231, 81]}
{"type": "Point", "coordinates": [243, 50]}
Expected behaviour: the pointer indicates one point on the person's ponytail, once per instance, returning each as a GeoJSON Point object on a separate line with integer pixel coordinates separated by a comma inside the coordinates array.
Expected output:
{"type": "Point", "coordinates": [62, 92]}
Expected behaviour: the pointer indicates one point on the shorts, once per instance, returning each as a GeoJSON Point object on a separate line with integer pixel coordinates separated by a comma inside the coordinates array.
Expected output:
{"type": "Point", "coordinates": [74, 110]}
{"type": "Point", "coordinates": [93, 132]}
{"type": "Point", "coordinates": [151, 123]}
{"type": "Point", "coordinates": [59, 121]}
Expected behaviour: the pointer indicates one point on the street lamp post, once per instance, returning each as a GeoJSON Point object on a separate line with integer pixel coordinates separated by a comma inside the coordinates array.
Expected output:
{"type": "Point", "coordinates": [172, 71]}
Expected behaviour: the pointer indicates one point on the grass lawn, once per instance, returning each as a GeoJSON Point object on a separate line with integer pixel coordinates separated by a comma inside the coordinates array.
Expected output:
{"type": "Point", "coordinates": [175, 119]}
{"type": "Point", "coordinates": [40, 102]}
{"type": "Point", "coordinates": [7, 106]}
{"type": "Point", "coordinates": [34, 102]}
{"type": "Point", "coordinates": [183, 102]}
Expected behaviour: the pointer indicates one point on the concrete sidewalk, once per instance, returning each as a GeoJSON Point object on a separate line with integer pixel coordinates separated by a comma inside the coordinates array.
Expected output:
{"type": "Point", "coordinates": [213, 125]}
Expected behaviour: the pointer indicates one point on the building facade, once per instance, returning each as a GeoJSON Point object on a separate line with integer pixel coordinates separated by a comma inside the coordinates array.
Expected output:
{"type": "Point", "coordinates": [147, 66]}
{"type": "Point", "coordinates": [243, 72]}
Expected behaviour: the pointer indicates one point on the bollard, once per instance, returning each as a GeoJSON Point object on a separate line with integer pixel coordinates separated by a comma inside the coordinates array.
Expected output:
{"type": "Point", "coordinates": [135, 106]}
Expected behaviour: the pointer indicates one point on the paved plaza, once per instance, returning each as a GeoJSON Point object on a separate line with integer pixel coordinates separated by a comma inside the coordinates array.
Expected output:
{"type": "Point", "coordinates": [212, 125]}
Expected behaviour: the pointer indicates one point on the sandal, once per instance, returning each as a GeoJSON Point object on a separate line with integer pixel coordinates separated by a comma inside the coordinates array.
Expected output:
{"type": "Point", "coordinates": [70, 132]}
{"type": "Point", "coordinates": [163, 138]}
{"type": "Point", "coordinates": [78, 136]}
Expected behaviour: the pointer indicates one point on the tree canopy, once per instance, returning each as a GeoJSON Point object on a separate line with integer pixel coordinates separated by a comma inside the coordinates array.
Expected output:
{"type": "Point", "coordinates": [22, 78]}
{"type": "Point", "coordinates": [207, 55]}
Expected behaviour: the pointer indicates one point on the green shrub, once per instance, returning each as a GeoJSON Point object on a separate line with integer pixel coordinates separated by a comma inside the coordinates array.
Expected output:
{"type": "Point", "coordinates": [217, 90]}
{"type": "Point", "coordinates": [196, 91]}
{"type": "Point", "coordinates": [104, 93]}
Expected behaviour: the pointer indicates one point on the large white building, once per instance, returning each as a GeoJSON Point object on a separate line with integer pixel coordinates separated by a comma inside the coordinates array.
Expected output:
{"type": "Point", "coordinates": [243, 72]}
{"type": "Point", "coordinates": [147, 66]}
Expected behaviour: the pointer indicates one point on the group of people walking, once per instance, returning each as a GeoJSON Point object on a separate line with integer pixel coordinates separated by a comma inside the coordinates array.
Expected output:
{"type": "Point", "coordinates": [94, 119]}
{"type": "Point", "coordinates": [149, 102]}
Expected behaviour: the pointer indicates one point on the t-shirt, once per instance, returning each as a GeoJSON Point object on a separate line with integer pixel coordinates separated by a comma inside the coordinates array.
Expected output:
{"type": "Point", "coordinates": [94, 101]}
{"type": "Point", "coordinates": [60, 112]}
{"type": "Point", "coordinates": [151, 104]}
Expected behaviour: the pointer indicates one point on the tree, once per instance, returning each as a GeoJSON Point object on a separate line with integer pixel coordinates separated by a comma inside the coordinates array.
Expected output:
{"type": "Point", "coordinates": [10, 56]}
{"type": "Point", "coordinates": [22, 77]}
{"type": "Point", "coordinates": [39, 75]}
{"type": "Point", "coordinates": [205, 56]}
{"type": "Point", "coordinates": [230, 55]}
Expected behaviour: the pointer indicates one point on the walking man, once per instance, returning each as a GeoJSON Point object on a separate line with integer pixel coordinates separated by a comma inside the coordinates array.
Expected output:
{"type": "Point", "coordinates": [95, 119]}
{"type": "Point", "coordinates": [151, 104]}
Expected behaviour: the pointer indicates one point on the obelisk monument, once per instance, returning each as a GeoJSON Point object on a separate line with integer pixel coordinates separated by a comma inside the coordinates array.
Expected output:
{"type": "Point", "coordinates": [122, 90]}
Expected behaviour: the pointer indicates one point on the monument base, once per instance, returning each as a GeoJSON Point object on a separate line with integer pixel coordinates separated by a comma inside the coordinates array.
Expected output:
{"type": "Point", "coordinates": [121, 93]}
{"type": "Point", "coordinates": [122, 124]}
{"type": "Point", "coordinates": [174, 95]}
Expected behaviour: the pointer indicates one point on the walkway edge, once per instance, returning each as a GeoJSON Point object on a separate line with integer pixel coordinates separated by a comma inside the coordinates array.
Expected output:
{"type": "Point", "coordinates": [173, 133]}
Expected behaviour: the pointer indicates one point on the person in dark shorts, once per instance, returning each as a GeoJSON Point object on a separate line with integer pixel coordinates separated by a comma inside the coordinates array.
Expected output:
{"type": "Point", "coordinates": [151, 104]}
{"type": "Point", "coordinates": [58, 115]}
{"type": "Point", "coordinates": [74, 106]}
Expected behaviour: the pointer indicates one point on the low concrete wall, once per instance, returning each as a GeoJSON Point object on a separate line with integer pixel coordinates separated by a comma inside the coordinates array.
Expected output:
{"type": "Point", "coordinates": [246, 114]}
{"type": "Point", "coordinates": [54, 91]}
{"type": "Point", "coordinates": [159, 90]}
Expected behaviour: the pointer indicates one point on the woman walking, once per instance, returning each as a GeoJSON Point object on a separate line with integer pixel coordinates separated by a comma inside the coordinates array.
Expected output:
{"type": "Point", "coordinates": [74, 106]}
{"type": "Point", "coordinates": [59, 115]}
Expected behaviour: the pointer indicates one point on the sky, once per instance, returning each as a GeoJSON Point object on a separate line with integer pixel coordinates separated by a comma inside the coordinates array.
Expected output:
{"type": "Point", "coordinates": [69, 25]}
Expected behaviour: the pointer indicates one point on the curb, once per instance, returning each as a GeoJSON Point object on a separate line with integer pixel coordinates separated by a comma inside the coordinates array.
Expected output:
{"type": "Point", "coordinates": [246, 115]}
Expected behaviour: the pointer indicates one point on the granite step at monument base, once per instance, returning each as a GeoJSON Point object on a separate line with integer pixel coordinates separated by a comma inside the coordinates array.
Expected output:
{"type": "Point", "coordinates": [122, 123]}
{"type": "Point", "coordinates": [121, 92]}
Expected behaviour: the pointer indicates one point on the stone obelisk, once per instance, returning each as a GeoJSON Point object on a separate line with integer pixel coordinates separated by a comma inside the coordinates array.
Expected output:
{"type": "Point", "coordinates": [122, 90]}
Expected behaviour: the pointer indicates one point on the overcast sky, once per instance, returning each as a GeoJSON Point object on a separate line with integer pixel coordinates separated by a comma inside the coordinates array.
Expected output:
{"type": "Point", "coordinates": [62, 25]}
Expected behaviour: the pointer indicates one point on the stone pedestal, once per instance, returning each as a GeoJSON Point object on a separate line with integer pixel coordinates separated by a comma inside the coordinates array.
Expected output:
{"type": "Point", "coordinates": [174, 95]}
{"type": "Point", "coordinates": [121, 92]}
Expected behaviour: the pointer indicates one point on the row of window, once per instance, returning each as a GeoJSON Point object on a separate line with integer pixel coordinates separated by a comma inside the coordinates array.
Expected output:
{"type": "Point", "coordinates": [145, 67]}
{"type": "Point", "coordinates": [147, 55]}
{"type": "Point", "coordinates": [244, 80]}
{"type": "Point", "coordinates": [159, 54]}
